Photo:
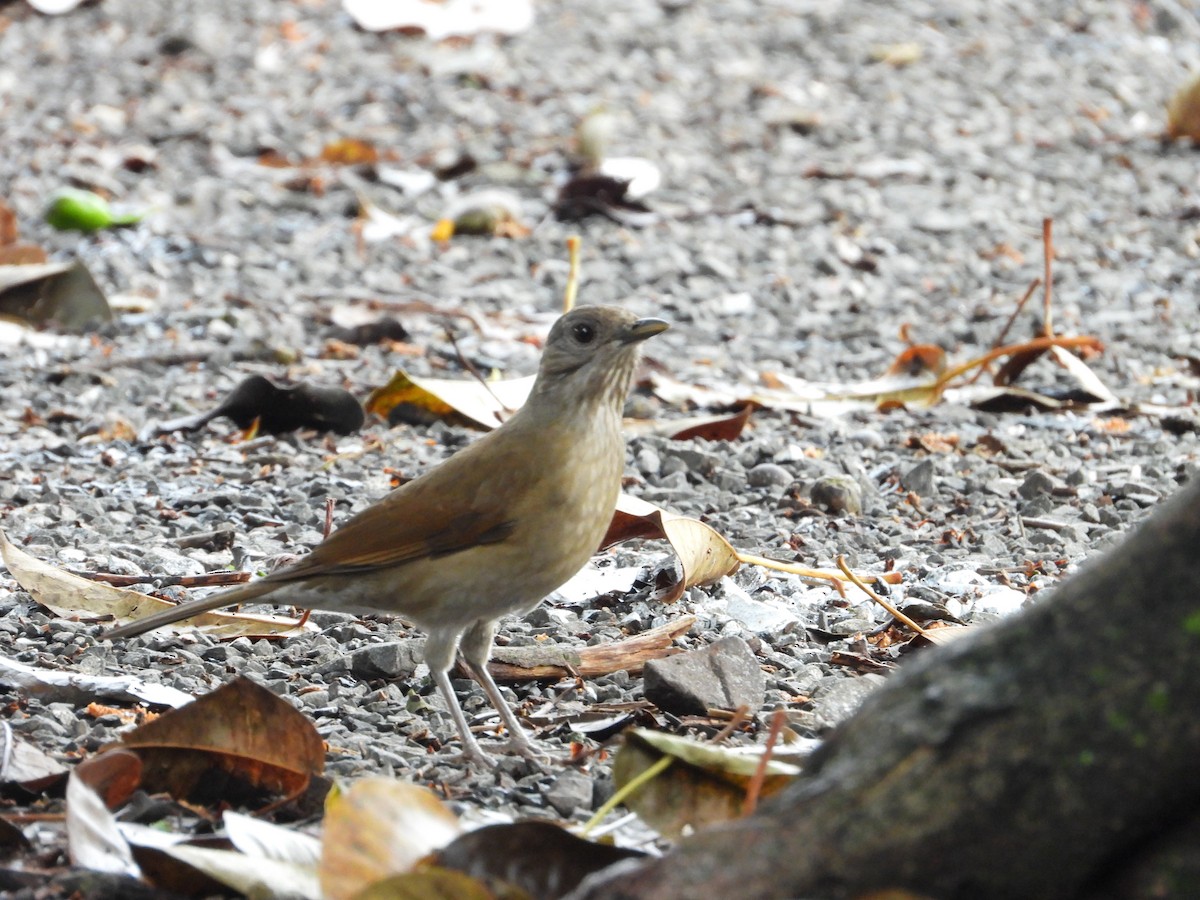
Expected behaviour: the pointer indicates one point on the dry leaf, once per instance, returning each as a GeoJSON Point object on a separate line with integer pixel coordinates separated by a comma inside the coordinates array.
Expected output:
{"type": "Point", "coordinates": [433, 883]}
{"type": "Point", "coordinates": [703, 554]}
{"type": "Point", "coordinates": [250, 875]}
{"type": "Point", "coordinates": [704, 784]}
{"type": "Point", "coordinates": [239, 736]}
{"type": "Point", "coordinates": [376, 828]}
{"type": "Point", "coordinates": [485, 405]}
{"type": "Point", "coordinates": [1183, 112]}
{"type": "Point", "coordinates": [60, 294]}
{"type": "Point", "coordinates": [539, 858]}
{"type": "Point", "coordinates": [26, 764]}
{"type": "Point", "coordinates": [707, 428]}
{"type": "Point", "coordinates": [440, 19]}
{"type": "Point", "coordinates": [79, 689]}
{"type": "Point", "coordinates": [114, 775]}
{"type": "Point", "coordinates": [349, 152]}
{"type": "Point", "coordinates": [72, 596]}
{"type": "Point", "coordinates": [93, 836]}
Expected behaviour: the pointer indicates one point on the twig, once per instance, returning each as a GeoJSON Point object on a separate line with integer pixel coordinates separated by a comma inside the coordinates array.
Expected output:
{"type": "Point", "coordinates": [1048, 254]}
{"type": "Point", "coordinates": [816, 574]}
{"type": "Point", "coordinates": [899, 616]}
{"type": "Point", "coordinates": [999, 341]}
{"type": "Point", "coordinates": [572, 288]}
{"type": "Point", "coordinates": [740, 715]}
{"type": "Point", "coordinates": [546, 663]}
{"type": "Point", "coordinates": [208, 579]}
{"type": "Point", "coordinates": [754, 788]}
{"type": "Point", "coordinates": [328, 518]}
{"type": "Point", "coordinates": [470, 367]}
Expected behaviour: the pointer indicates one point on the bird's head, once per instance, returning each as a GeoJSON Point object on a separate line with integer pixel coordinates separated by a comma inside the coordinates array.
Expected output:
{"type": "Point", "coordinates": [591, 354]}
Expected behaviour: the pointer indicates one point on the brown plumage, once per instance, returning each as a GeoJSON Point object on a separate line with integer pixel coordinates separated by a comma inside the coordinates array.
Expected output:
{"type": "Point", "coordinates": [489, 532]}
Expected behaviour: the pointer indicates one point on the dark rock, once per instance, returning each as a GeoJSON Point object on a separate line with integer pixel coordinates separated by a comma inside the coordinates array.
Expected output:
{"type": "Point", "coordinates": [838, 494]}
{"type": "Point", "coordinates": [1036, 483]}
{"type": "Point", "coordinates": [919, 479]}
{"type": "Point", "coordinates": [570, 790]}
{"type": "Point", "coordinates": [724, 675]}
{"type": "Point", "coordinates": [395, 660]}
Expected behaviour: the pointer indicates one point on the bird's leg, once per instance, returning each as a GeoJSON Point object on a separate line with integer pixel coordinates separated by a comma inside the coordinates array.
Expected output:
{"type": "Point", "coordinates": [476, 647]}
{"type": "Point", "coordinates": [439, 654]}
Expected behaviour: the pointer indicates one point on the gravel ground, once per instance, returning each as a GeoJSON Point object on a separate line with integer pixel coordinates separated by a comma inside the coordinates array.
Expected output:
{"type": "Point", "coordinates": [815, 199]}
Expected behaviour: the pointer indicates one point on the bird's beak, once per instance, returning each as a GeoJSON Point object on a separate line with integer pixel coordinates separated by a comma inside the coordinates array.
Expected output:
{"type": "Point", "coordinates": [644, 328]}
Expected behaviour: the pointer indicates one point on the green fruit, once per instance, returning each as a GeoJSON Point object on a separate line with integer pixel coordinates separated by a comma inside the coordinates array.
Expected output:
{"type": "Point", "coordinates": [73, 209]}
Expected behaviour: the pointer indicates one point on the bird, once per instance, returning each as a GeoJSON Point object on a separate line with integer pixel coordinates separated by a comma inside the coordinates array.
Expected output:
{"type": "Point", "coordinates": [489, 532]}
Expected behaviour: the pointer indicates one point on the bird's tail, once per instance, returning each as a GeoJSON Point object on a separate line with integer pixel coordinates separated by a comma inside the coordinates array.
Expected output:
{"type": "Point", "coordinates": [239, 594]}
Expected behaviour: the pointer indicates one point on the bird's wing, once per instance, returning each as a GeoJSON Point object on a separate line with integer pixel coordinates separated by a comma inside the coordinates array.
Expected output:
{"type": "Point", "coordinates": [429, 517]}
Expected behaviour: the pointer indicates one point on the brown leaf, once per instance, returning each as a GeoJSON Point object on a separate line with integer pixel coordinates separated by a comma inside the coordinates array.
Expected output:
{"type": "Point", "coordinates": [61, 294]}
{"type": "Point", "coordinates": [240, 738]}
{"type": "Point", "coordinates": [434, 884]}
{"type": "Point", "coordinates": [538, 858]}
{"type": "Point", "coordinates": [8, 225]}
{"type": "Point", "coordinates": [26, 764]}
{"type": "Point", "coordinates": [704, 555]}
{"type": "Point", "coordinates": [349, 152]}
{"type": "Point", "coordinates": [707, 428]}
{"type": "Point", "coordinates": [484, 405]}
{"type": "Point", "coordinates": [379, 827]}
{"type": "Point", "coordinates": [22, 255]}
{"type": "Point", "coordinates": [703, 785]}
{"type": "Point", "coordinates": [919, 359]}
{"type": "Point", "coordinates": [113, 774]}
{"type": "Point", "coordinates": [68, 595]}
{"type": "Point", "coordinates": [1183, 112]}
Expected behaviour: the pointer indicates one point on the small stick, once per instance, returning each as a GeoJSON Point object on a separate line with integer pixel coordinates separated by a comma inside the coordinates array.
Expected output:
{"type": "Point", "coordinates": [735, 722]}
{"type": "Point", "coordinates": [1048, 253]}
{"type": "Point", "coordinates": [754, 788]}
{"type": "Point", "coordinates": [328, 517]}
{"type": "Point", "coordinates": [815, 574]}
{"type": "Point", "coordinates": [208, 579]}
{"type": "Point", "coordinates": [572, 290]}
{"type": "Point", "coordinates": [470, 367]}
{"type": "Point", "coordinates": [999, 341]}
{"type": "Point", "coordinates": [899, 616]}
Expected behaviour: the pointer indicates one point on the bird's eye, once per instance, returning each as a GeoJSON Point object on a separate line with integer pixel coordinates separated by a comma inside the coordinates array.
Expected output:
{"type": "Point", "coordinates": [584, 333]}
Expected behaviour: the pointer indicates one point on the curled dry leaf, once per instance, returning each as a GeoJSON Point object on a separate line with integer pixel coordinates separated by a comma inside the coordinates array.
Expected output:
{"type": "Point", "coordinates": [376, 828]}
{"type": "Point", "coordinates": [26, 764]}
{"type": "Point", "coordinates": [1183, 112]}
{"type": "Point", "coordinates": [278, 410]}
{"type": "Point", "coordinates": [434, 883]}
{"type": "Point", "coordinates": [70, 596]}
{"type": "Point", "coordinates": [707, 428]}
{"type": "Point", "coordinates": [93, 836]}
{"type": "Point", "coordinates": [703, 554]}
{"type": "Point", "coordinates": [253, 876]}
{"type": "Point", "coordinates": [703, 785]}
{"type": "Point", "coordinates": [539, 858]}
{"type": "Point", "coordinates": [239, 736]}
{"type": "Point", "coordinates": [407, 396]}
{"type": "Point", "coordinates": [114, 775]}
{"type": "Point", "coordinates": [60, 294]}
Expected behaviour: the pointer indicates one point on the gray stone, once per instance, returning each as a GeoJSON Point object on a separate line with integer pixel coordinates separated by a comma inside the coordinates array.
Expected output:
{"type": "Point", "coordinates": [837, 699]}
{"type": "Point", "coordinates": [724, 675]}
{"type": "Point", "coordinates": [837, 494]}
{"type": "Point", "coordinates": [919, 479]}
{"type": "Point", "coordinates": [768, 475]}
{"type": "Point", "coordinates": [394, 660]}
{"type": "Point", "coordinates": [570, 790]}
{"type": "Point", "coordinates": [1036, 484]}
